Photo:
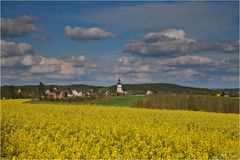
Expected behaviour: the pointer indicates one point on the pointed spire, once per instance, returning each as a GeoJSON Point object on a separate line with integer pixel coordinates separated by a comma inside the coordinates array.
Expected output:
{"type": "Point", "coordinates": [119, 81]}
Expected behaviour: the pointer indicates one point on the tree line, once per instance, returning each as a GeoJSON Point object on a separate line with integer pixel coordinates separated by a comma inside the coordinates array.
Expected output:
{"type": "Point", "coordinates": [191, 102]}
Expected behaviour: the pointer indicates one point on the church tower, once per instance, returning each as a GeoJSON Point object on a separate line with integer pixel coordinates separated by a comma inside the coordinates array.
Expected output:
{"type": "Point", "coordinates": [119, 86]}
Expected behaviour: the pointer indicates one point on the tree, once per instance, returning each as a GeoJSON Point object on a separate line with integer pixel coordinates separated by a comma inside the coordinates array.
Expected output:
{"type": "Point", "coordinates": [41, 90]}
{"type": "Point", "coordinates": [65, 94]}
{"type": "Point", "coordinates": [8, 92]}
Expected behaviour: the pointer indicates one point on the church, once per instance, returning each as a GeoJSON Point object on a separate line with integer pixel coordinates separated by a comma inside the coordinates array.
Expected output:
{"type": "Point", "coordinates": [119, 87]}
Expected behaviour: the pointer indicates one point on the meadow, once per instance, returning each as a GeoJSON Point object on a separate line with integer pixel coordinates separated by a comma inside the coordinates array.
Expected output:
{"type": "Point", "coordinates": [118, 101]}
{"type": "Point", "coordinates": [50, 131]}
{"type": "Point", "coordinates": [121, 101]}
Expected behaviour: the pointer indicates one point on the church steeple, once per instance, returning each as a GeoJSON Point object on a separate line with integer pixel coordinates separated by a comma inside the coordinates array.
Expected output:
{"type": "Point", "coordinates": [119, 81]}
{"type": "Point", "coordinates": [119, 86]}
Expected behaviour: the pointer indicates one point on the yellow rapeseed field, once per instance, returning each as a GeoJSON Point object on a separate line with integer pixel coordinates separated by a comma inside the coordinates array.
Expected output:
{"type": "Point", "coordinates": [40, 131]}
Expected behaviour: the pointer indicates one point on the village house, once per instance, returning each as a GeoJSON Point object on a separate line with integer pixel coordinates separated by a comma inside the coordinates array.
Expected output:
{"type": "Point", "coordinates": [76, 93]}
{"type": "Point", "coordinates": [59, 94]}
{"type": "Point", "coordinates": [55, 94]}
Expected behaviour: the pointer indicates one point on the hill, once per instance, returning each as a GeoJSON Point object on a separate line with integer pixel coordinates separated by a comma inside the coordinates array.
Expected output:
{"type": "Point", "coordinates": [163, 87]}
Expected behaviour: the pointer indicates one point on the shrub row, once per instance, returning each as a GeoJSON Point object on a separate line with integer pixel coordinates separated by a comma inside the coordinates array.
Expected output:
{"type": "Point", "coordinates": [191, 102]}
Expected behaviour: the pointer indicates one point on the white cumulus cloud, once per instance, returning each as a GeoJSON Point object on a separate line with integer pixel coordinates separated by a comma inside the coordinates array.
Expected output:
{"type": "Point", "coordinates": [77, 33]}
{"type": "Point", "coordinates": [74, 65]}
{"type": "Point", "coordinates": [10, 49]}
{"type": "Point", "coordinates": [19, 26]}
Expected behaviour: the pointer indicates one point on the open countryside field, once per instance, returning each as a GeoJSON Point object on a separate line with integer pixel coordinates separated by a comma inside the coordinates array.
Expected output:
{"type": "Point", "coordinates": [118, 101]}
{"type": "Point", "coordinates": [40, 131]}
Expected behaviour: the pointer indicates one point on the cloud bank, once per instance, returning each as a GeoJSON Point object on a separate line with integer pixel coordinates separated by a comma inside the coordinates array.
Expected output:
{"type": "Point", "coordinates": [20, 60]}
{"type": "Point", "coordinates": [174, 42]}
{"type": "Point", "coordinates": [187, 67]}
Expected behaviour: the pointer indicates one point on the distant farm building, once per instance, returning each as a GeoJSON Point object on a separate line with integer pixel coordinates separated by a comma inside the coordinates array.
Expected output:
{"type": "Point", "coordinates": [19, 91]}
{"type": "Point", "coordinates": [222, 94]}
{"type": "Point", "coordinates": [148, 93]}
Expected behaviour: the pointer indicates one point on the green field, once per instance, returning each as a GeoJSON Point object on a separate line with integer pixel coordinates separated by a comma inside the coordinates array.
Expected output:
{"type": "Point", "coordinates": [55, 131]}
{"type": "Point", "coordinates": [119, 101]}
{"type": "Point", "coordinates": [122, 101]}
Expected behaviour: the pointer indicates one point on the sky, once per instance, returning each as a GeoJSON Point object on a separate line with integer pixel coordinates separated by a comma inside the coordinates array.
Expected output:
{"type": "Point", "coordinates": [186, 43]}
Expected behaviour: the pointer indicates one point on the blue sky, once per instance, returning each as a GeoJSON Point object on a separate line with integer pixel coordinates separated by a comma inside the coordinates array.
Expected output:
{"type": "Point", "coordinates": [187, 43]}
